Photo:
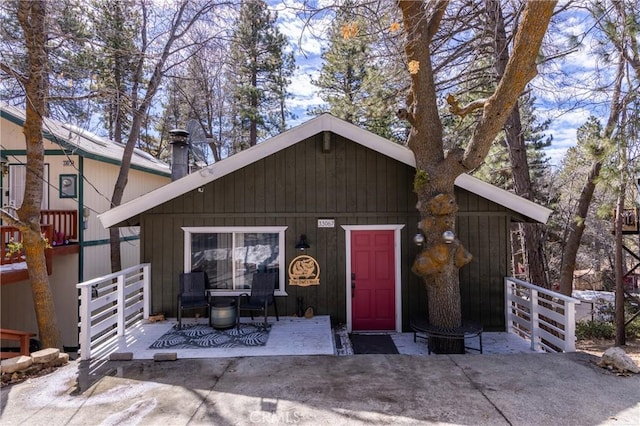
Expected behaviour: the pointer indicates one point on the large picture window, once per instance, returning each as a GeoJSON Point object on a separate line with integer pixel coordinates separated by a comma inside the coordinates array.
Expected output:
{"type": "Point", "coordinates": [230, 256]}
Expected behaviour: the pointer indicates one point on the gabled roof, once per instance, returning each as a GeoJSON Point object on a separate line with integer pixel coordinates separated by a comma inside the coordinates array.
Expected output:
{"type": "Point", "coordinates": [86, 144]}
{"type": "Point", "coordinates": [322, 123]}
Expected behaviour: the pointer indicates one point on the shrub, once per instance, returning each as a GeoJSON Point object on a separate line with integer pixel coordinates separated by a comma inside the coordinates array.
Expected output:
{"type": "Point", "coordinates": [594, 329]}
{"type": "Point", "coordinates": [633, 329]}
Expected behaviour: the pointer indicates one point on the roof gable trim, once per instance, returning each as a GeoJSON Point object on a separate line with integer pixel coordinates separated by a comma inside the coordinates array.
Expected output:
{"type": "Point", "coordinates": [322, 123]}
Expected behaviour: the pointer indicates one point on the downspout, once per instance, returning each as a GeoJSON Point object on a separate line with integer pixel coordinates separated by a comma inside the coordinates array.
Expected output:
{"type": "Point", "coordinates": [81, 219]}
{"type": "Point", "coordinates": [80, 236]}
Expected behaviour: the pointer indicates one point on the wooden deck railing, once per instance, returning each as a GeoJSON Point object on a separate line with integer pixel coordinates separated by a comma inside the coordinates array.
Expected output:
{"type": "Point", "coordinates": [10, 233]}
{"type": "Point", "coordinates": [59, 226]}
{"type": "Point", "coordinates": [546, 318]}
{"type": "Point", "coordinates": [65, 224]}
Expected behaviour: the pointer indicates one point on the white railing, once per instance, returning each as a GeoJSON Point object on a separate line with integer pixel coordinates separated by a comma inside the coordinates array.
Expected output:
{"type": "Point", "coordinates": [546, 318]}
{"type": "Point", "coordinates": [111, 303]}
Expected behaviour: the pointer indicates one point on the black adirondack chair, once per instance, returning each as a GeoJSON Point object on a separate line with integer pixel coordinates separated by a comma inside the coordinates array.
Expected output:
{"type": "Point", "coordinates": [192, 294]}
{"type": "Point", "coordinates": [261, 296]}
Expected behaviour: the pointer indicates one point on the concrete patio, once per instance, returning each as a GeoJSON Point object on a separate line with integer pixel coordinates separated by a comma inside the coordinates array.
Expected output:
{"type": "Point", "coordinates": [289, 336]}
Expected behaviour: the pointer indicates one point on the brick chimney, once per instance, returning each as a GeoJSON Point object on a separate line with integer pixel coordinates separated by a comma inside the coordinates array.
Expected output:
{"type": "Point", "coordinates": [179, 153]}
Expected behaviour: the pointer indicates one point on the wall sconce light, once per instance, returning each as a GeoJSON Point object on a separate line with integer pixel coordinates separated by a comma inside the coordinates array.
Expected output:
{"type": "Point", "coordinates": [448, 237]}
{"type": "Point", "coordinates": [85, 217]}
{"type": "Point", "coordinates": [4, 165]}
{"type": "Point", "coordinates": [302, 244]}
{"type": "Point", "coordinates": [418, 239]}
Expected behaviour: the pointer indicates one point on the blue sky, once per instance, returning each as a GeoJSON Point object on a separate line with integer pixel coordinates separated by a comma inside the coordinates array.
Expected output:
{"type": "Point", "coordinates": [560, 104]}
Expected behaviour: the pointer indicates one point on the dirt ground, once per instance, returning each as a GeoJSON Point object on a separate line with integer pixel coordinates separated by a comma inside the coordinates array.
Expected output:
{"type": "Point", "coordinates": [597, 347]}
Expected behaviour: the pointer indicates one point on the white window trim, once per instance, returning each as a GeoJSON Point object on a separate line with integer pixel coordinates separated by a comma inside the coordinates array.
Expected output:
{"type": "Point", "coordinates": [17, 183]}
{"type": "Point", "coordinates": [398, 267]}
{"type": "Point", "coordinates": [230, 229]}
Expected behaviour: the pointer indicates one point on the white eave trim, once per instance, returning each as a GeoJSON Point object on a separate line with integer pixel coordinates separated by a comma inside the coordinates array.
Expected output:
{"type": "Point", "coordinates": [323, 123]}
{"type": "Point", "coordinates": [505, 198]}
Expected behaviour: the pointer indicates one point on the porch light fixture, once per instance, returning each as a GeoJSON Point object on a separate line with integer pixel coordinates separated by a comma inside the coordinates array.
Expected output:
{"type": "Point", "coordinates": [448, 237]}
{"type": "Point", "coordinates": [302, 244]}
{"type": "Point", "coordinates": [418, 239]}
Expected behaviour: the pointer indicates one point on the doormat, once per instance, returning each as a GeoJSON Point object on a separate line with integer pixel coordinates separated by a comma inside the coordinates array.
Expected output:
{"type": "Point", "coordinates": [372, 344]}
{"type": "Point", "coordinates": [202, 336]}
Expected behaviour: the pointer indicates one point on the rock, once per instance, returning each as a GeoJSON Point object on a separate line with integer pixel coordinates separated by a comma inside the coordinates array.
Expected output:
{"type": "Point", "coordinates": [62, 359]}
{"type": "Point", "coordinates": [617, 359]}
{"type": "Point", "coordinates": [121, 356]}
{"type": "Point", "coordinates": [17, 363]}
{"type": "Point", "coordinates": [165, 356]}
{"type": "Point", "coordinates": [45, 355]}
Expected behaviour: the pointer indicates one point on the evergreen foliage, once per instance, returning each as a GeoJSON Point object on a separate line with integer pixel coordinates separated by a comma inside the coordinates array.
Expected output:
{"type": "Point", "coordinates": [497, 167]}
{"type": "Point", "coordinates": [259, 72]}
{"type": "Point", "coordinates": [69, 68]}
{"type": "Point", "coordinates": [117, 26]}
{"type": "Point", "coordinates": [355, 85]}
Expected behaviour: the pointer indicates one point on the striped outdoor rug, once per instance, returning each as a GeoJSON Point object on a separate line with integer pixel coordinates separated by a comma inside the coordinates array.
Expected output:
{"type": "Point", "coordinates": [203, 336]}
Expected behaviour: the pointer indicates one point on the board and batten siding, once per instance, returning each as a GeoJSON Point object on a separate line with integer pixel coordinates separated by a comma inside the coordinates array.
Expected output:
{"type": "Point", "coordinates": [352, 185]}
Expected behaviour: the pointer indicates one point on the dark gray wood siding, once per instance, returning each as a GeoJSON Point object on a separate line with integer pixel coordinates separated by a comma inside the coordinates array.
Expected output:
{"type": "Point", "coordinates": [351, 184]}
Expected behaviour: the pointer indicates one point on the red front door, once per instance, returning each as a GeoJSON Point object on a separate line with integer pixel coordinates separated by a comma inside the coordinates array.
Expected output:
{"type": "Point", "coordinates": [373, 298]}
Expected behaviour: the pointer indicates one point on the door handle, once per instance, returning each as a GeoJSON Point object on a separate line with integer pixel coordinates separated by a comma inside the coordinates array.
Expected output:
{"type": "Point", "coordinates": [353, 285]}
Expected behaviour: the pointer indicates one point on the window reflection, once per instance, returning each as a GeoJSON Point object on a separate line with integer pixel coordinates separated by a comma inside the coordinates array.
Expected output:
{"type": "Point", "coordinates": [230, 260]}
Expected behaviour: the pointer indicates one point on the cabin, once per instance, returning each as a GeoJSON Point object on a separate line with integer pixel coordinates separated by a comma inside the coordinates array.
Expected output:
{"type": "Point", "coordinates": [80, 171]}
{"type": "Point", "coordinates": [341, 197]}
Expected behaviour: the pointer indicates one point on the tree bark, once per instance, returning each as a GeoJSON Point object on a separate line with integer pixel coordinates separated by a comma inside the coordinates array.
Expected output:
{"type": "Point", "coordinates": [619, 271]}
{"type": "Point", "coordinates": [32, 18]}
{"type": "Point", "coordinates": [577, 225]}
{"type": "Point", "coordinates": [439, 262]}
{"type": "Point", "coordinates": [139, 111]}
{"type": "Point", "coordinates": [530, 234]}
{"type": "Point", "coordinates": [623, 166]}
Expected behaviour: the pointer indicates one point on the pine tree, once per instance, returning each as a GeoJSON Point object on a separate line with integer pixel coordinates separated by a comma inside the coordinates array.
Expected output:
{"type": "Point", "coordinates": [353, 83]}
{"type": "Point", "coordinates": [117, 26]}
{"type": "Point", "coordinates": [259, 73]}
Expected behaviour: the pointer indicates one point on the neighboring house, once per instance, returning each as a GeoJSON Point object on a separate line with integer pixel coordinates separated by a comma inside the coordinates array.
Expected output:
{"type": "Point", "coordinates": [350, 193]}
{"type": "Point", "coordinates": [80, 172]}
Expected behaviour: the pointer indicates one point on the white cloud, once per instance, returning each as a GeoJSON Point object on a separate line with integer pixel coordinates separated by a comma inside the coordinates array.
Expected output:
{"type": "Point", "coordinates": [306, 33]}
{"type": "Point", "coordinates": [569, 89]}
{"type": "Point", "coordinates": [307, 43]}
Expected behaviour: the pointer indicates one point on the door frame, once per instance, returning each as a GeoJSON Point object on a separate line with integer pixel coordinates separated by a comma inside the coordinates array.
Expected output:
{"type": "Point", "coordinates": [397, 265]}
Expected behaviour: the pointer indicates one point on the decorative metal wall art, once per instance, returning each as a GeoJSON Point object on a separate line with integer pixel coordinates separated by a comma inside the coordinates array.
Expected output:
{"type": "Point", "coordinates": [304, 271]}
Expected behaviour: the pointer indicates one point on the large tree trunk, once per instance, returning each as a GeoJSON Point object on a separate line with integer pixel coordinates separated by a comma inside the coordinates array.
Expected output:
{"type": "Point", "coordinates": [623, 165]}
{"type": "Point", "coordinates": [438, 263]}
{"type": "Point", "coordinates": [32, 18]}
{"type": "Point", "coordinates": [140, 109]}
{"type": "Point", "coordinates": [619, 270]}
{"type": "Point", "coordinates": [253, 124]}
{"type": "Point", "coordinates": [577, 225]}
{"type": "Point", "coordinates": [529, 233]}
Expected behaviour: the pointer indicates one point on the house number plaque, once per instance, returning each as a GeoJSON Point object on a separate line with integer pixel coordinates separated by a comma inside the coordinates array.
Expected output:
{"type": "Point", "coordinates": [326, 223]}
{"type": "Point", "coordinates": [304, 271]}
